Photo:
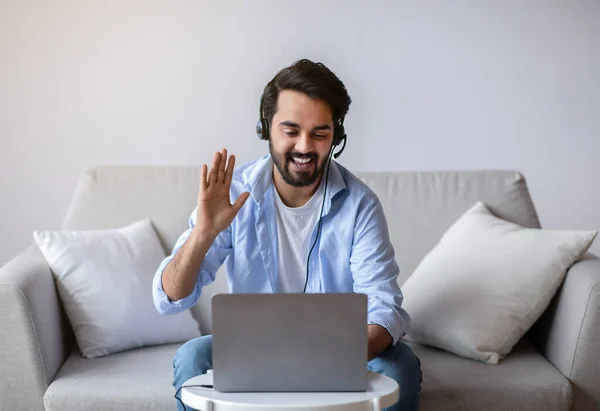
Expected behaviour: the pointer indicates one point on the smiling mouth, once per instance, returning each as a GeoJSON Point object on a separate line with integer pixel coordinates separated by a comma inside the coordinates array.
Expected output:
{"type": "Point", "coordinates": [301, 161]}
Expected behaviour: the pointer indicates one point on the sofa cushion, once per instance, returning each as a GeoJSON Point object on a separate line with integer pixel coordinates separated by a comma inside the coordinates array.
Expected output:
{"type": "Point", "coordinates": [132, 380]}
{"type": "Point", "coordinates": [486, 282]}
{"type": "Point", "coordinates": [523, 381]}
{"type": "Point", "coordinates": [104, 278]}
{"type": "Point", "coordinates": [141, 379]}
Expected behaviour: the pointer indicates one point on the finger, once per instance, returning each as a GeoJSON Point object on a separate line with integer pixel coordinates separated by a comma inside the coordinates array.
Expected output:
{"type": "Point", "coordinates": [214, 169]}
{"type": "Point", "coordinates": [229, 170]}
{"type": "Point", "coordinates": [240, 202]}
{"type": "Point", "coordinates": [203, 181]}
{"type": "Point", "coordinates": [221, 177]}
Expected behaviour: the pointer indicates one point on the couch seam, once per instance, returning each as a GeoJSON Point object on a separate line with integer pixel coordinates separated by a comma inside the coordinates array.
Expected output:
{"type": "Point", "coordinates": [580, 328]}
{"type": "Point", "coordinates": [37, 341]}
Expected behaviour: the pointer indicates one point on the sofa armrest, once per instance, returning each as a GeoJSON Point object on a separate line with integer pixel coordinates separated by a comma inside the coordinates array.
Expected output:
{"type": "Point", "coordinates": [34, 334]}
{"type": "Point", "coordinates": [568, 333]}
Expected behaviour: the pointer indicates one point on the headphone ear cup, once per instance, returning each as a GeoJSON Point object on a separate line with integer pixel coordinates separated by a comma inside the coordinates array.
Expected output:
{"type": "Point", "coordinates": [338, 134]}
{"type": "Point", "coordinates": [261, 130]}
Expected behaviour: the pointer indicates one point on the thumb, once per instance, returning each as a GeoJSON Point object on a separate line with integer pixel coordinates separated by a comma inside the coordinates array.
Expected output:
{"type": "Point", "coordinates": [240, 201]}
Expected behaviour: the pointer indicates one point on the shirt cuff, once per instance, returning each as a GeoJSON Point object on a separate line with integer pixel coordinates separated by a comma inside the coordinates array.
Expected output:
{"type": "Point", "coordinates": [163, 304]}
{"type": "Point", "coordinates": [393, 323]}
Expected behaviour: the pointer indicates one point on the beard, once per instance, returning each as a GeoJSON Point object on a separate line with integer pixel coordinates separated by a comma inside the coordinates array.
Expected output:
{"type": "Point", "coordinates": [296, 178]}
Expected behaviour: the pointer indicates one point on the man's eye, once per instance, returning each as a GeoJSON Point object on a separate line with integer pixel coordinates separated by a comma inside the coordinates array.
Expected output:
{"type": "Point", "coordinates": [290, 133]}
{"type": "Point", "coordinates": [320, 136]}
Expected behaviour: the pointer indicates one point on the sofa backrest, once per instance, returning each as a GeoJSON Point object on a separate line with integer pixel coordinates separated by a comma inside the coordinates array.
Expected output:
{"type": "Point", "coordinates": [419, 207]}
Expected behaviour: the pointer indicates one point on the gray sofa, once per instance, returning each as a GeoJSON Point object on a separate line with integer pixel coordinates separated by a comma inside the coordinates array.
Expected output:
{"type": "Point", "coordinates": [555, 367]}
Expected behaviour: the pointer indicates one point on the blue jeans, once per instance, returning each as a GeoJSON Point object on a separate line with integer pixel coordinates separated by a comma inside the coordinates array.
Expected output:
{"type": "Point", "coordinates": [399, 363]}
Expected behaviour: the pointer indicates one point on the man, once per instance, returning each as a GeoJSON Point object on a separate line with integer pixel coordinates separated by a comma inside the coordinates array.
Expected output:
{"type": "Point", "coordinates": [291, 209]}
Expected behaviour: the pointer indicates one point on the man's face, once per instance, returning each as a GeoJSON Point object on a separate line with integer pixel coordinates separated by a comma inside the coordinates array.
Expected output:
{"type": "Point", "coordinates": [301, 137]}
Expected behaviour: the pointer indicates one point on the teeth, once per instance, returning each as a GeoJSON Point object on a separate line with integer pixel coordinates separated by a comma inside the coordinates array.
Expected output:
{"type": "Point", "coordinates": [301, 160]}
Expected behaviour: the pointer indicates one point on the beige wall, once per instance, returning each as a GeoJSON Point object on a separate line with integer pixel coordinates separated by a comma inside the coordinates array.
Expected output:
{"type": "Point", "coordinates": [436, 85]}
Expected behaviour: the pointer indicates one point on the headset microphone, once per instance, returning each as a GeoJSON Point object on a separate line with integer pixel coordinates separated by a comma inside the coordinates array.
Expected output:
{"type": "Point", "coordinates": [336, 155]}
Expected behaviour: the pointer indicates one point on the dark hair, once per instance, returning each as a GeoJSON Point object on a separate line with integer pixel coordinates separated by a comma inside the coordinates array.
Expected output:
{"type": "Point", "coordinates": [313, 79]}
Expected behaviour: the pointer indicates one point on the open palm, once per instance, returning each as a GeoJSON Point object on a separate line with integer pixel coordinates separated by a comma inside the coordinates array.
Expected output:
{"type": "Point", "coordinates": [215, 211]}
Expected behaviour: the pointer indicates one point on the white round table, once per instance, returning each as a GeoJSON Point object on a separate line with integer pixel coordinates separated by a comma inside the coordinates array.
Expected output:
{"type": "Point", "coordinates": [381, 392]}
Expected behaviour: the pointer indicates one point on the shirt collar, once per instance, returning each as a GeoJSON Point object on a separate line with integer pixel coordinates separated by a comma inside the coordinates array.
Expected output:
{"type": "Point", "coordinates": [260, 179]}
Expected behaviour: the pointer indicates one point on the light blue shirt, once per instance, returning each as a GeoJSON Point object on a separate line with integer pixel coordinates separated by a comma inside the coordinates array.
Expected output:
{"type": "Point", "coordinates": [353, 252]}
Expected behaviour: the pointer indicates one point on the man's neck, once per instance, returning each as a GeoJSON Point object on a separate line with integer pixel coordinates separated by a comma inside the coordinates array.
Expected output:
{"type": "Point", "coordinates": [293, 196]}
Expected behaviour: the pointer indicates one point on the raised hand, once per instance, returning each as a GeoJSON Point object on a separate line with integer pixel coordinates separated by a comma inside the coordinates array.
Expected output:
{"type": "Point", "coordinates": [215, 211]}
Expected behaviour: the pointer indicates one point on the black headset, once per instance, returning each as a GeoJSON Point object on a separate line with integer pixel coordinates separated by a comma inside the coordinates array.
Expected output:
{"type": "Point", "coordinates": [339, 136]}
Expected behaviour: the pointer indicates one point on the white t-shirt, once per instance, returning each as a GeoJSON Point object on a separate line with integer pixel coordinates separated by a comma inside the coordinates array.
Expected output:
{"type": "Point", "coordinates": [294, 228]}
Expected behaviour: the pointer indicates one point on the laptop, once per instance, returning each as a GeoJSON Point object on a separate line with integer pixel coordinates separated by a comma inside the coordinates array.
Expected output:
{"type": "Point", "coordinates": [289, 342]}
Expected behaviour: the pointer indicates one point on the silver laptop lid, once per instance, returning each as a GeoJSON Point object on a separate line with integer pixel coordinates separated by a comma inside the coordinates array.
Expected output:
{"type": "Point", "coordinates": [290, 342]}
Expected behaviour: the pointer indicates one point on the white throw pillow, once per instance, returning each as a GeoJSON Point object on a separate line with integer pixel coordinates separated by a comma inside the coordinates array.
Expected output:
{"type": "Point", "coordinates": [104, 279]}
{"type": "Point", "coordinates": [486, 283]}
